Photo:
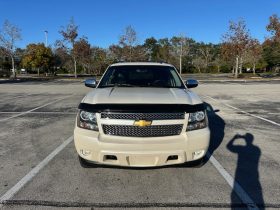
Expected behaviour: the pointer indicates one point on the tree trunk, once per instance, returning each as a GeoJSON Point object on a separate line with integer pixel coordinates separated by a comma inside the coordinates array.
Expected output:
{"type": "Point", "coordinates": [13, 68]}
{"type": "Point", "coordinates": [181, 55]}
{"type": "Point", "coordinates": [236, 68]}
{"type": "Point", "coordinates": [254, 69]}
{"type": "Point", "coordinates": [38, 71]}
{"type": "Point", "coordinates": [180, 64]}
{"type": "Point", "coordinates": [130, 53]}
{"type": "Point", "coordinates": [75, 67]}
{"type": "Point", "coordinates": [84, 68]}
{"type": "Point", "coordinates": [241, 65]}
{"type": "Point", "coordinates": [75, 62]}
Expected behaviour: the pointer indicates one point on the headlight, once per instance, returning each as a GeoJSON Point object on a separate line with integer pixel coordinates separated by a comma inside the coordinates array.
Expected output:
{"type": "Point", "coordinates": [197, 120]}
{"type": "Point", "coordinates": [87, 120]}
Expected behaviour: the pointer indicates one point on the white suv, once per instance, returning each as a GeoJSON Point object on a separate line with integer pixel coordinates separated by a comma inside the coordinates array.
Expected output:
{"type": "Point", "coordinates": [141, 115]}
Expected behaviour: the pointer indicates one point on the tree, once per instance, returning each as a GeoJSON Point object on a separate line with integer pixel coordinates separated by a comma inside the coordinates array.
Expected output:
{"type": "Point", "coordinates": [271, 46]}
{"type": "Point", "coordinates": [116, 53]}
{"type": "Point", "coordinates": [228, 55]}
{"type": "Point", "coordinates": [37, 56]}
{"type": "Point", "coordinates": [274, 27]}
{"type": "Point", "coordinates": [82, 52]}
{"type": "Point", "coordinates": [206, 54]}
{"type": "Point", "coordinates": [236, 41]}
{"type": "Point", "coordinates": [5, 65]}
{"type": "Point", "coordinates": [62, 58]}
{"type": "Point", "coordinates": [271, 53]}
{"type": "Point", "coordinates": [218, 62]}
{"type": "Point", "coordinates": [199, 63]}
{"type": "Point", "coordinates": [19, 53]}
{"type": "Point", "coordinates": [255, 53]}
{"type": "Point", "coordinates": [70, 33]}
{"type": "Point", "coordinates": [181, 48]}
{"type": "Point", "coordinates": [128, 41]}
{"type": "Point", "coordinates": [9, 35]}
{"type": "Point", "coordinates": [99, 60]}
{"type": "Point", "coordinates": [164, 50]}
{"type": "Point", "coordinates": [152, 48]}
{"type": "Point", "coordinates": [139, 53]}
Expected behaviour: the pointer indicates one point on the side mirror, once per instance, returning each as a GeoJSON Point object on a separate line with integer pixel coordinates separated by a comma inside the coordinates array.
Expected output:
{"type": "Point", "coordinates": [90, 83]}
{"type": "Point", "coordinates": [191, 83]}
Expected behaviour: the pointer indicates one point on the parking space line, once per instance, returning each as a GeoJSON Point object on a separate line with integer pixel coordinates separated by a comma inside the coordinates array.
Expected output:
{"type": "Point", "coordinates": [240, 192]}
{"type": "Point", "coordinates": [244, 112]}
{"type": "Point", "coordinates": [11, 192]}
{"type": "Point", "coordinates": [274, 113]}
{"type": "Point", "coordinates": [39, 107]}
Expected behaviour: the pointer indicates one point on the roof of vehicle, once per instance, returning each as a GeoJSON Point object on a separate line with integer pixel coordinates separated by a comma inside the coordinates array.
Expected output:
{"type": "Point", "coordinates": [141, 63]}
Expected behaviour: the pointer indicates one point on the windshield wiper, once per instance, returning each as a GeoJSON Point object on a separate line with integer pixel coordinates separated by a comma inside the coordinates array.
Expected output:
{"type": "Point", "coordinates": [117, 85]}
{"type": "Point", "coordinates": [124, 85]}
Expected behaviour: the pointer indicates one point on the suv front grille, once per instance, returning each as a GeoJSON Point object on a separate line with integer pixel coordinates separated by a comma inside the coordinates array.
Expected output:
{"type": "Point", "coordinates": [148, 131]}
{"type": "Point", "coordinates": [144, 116]}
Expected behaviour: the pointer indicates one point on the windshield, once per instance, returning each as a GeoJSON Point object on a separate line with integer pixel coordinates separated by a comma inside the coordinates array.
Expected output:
{"type": "Point", "coordinates": [141, 76]}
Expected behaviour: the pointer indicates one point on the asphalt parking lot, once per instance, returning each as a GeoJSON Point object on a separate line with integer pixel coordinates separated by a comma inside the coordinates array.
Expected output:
{"type": "Point", "coordinates": [39, 168]}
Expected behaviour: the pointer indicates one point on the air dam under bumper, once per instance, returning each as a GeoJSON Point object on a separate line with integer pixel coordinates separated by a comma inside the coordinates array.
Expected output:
{"type": "Point", "coordinates": [141, 152]}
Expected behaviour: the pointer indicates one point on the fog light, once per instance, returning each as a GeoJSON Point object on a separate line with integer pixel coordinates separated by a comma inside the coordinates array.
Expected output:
{"type": "Point", "coordinates": [85, 152]}
{"type": "Point", "coordinates": [198, 154]}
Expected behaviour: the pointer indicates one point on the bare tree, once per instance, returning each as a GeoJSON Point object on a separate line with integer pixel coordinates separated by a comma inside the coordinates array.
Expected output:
{"type": "Point", "coordinates": [206, 54]}
{"type": "Point", "coordinates": [199, 63]}
{"type": "Point", "coordinates": [8, 37]}
{"type": "Point", "coordinates": [70, 33]}
{"type": "Point", "coordinates": [217, 62]}
{"type": "Point", "coordinates": [128, 40]}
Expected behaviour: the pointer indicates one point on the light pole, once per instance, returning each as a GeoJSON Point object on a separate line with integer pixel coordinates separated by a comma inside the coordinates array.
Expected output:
{"type": "Point", "coordinates": [46, 37]}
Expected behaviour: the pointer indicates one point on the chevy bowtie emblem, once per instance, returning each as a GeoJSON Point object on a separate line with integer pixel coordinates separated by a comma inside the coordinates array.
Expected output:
{"type": "Point", "coordinates": [142, 123]}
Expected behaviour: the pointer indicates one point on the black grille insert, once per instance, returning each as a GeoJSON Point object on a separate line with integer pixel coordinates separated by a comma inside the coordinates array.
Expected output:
{"type": "Point", "coordinates": [148, 131]}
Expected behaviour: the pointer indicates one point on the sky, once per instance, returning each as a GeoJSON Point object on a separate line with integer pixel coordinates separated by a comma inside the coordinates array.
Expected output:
{"type": "Point", "coordinates": [104, 21]}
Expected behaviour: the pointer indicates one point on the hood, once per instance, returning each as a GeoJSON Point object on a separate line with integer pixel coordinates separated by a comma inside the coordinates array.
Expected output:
{"type": "Point", "coordinates": [141, 95]}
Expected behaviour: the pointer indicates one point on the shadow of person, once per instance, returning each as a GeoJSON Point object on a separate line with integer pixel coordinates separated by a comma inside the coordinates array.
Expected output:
{"type": "Point", "coordinates": [247, 174]}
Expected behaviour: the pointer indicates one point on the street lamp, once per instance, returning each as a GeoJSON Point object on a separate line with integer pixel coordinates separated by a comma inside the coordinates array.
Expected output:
{"type": "Point", "coordinates": [46, 37]}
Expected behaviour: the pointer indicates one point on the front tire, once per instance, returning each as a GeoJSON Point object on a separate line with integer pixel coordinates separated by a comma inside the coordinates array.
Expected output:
{"type": "Point", "coordinates": [197, 163]}
{"type": "Point", "coordinates": [84, 163]}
